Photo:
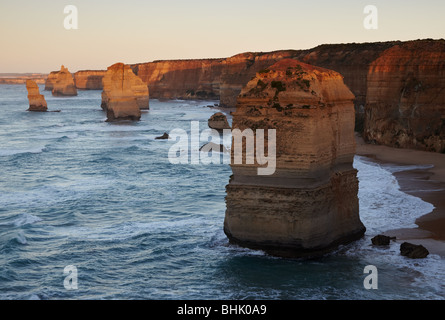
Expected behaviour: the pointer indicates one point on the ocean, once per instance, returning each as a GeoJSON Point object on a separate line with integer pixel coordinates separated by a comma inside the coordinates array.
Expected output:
{"type": "Point", "coordinates": [104, 198]}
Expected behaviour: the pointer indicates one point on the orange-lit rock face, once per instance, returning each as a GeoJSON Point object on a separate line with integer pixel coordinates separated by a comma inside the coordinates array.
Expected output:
{"type": "Point", "coordinates": [62, 83]}
{"type": "Point", "coordinates": [406, 97]}
{"type": "Point", "coordinates": [123, 93]}
{"type": "Point", "coordinates": [181, 79]}
{"type": "Point", "coordinates": [89, 79]}
{"type": "Point", "coordinates": [309, 205]}
{"type": "Point", "coordinates": [36, 100]}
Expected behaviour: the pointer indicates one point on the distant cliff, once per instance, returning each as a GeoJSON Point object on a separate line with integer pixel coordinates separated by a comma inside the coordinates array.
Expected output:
{"type": "Point", "coordinates": [89, 79]}
{"type": "Point", "coordinates": [181, 79]}
{"type": "Point", "coordinates": [405, 100]}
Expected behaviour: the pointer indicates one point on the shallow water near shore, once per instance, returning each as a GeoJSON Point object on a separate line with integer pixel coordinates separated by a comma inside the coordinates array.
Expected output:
{"type": "Point", "coordinates": [75, 190]}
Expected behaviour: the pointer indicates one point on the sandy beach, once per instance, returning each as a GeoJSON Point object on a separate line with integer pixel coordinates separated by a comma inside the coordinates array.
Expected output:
{"type": "Point", "coordinates": [427, 184]}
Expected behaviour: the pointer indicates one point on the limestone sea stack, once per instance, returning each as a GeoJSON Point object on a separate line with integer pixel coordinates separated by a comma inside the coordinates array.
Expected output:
{"type": "Point", "coordinates": [62, 83]}
{"type": "Point", "coordinates": [36, 100]}
{"type": "Point", "coordinates": [123, 95]}
{"type": "Point", "coordinates": [309, 205]}
{"type": "Point", "coordinates": [218, 121]}
{"type": "Point", "coordinates": [405, 102]}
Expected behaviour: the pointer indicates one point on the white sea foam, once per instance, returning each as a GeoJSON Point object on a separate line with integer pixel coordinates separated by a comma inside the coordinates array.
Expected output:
{"type": "Point", "coordinates": [25, 219]}
{"type": "Point", "coordinates": [383, 205]}
{"type": "Point", "coordinates": [12, 152]}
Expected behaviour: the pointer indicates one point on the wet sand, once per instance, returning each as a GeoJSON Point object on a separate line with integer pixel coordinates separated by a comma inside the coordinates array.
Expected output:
{"type": "Point", "coordinates": [427, 184]}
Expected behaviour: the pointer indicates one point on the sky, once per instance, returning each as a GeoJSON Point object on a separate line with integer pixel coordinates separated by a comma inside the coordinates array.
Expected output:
{"type": "Point", "coordinates": [33, 37]}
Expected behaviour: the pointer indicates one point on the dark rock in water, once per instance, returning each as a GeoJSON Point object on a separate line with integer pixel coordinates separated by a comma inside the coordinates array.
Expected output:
{"type": "Point", "coordinates": [381, 240]}
{"type": "Point", "coordinates": [163, 137]}
{"type": "Point", "coordinates": [413, 251]}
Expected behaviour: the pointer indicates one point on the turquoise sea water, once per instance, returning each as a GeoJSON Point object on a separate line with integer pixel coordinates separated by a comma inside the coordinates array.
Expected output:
{"type": "Point", "coordinates": [103, 197]}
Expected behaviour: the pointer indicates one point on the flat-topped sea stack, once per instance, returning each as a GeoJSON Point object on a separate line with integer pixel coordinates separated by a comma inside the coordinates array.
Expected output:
{"type": "Point", "coordinates": [405, 102]}
{"type": "Point", "coordinates": [61, 83]}
{"type": "Point", "coordinates": [124, 94]}
{"type": "Point", "coordinates": [36, 100]}
{"type": "Point", "coordinates": [309, 205]}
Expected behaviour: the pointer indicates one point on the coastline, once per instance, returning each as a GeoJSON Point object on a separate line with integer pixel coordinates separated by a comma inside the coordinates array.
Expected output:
{"type": "Point", "coordinates": [427, 184]}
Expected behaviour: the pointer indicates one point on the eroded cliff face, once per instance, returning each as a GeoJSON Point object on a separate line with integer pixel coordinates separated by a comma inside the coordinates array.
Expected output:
{"type": "Point", "coordinates": [181, 79]}
{"type": "Point", "coordinates": [61, 83]}
{"type": "Point", "coordinates": [89, 79]}
{"type": "Point", "coordinates": [36, 100]}
{"type": "Point", "coordinates": [309, 205]}
{"type": "Point", "coordinates": [405, 104]}
{"type": "Point", "coordinates": [124, 94]}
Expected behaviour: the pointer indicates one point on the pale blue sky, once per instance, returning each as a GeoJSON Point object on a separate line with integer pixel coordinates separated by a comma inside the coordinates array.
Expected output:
{"type": "Point", "coordinates": [33, 38]}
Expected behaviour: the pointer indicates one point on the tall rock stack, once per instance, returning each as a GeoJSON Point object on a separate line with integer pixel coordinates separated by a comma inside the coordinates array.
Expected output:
{"type": "Point", "coordinates": [37, 101]}
{"type": "Point", "coordinates": [61, 83]}
{"type": "Point", "coordinates": [309, 205]}
{"type": "Point", "coordinates": [405, 101]}
{"type": "Point", "coordinates": [124, 94]}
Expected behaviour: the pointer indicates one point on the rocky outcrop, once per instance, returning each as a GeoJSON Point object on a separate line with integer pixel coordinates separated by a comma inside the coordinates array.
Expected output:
{"type": "Point", "coordinates": [36, 100]}
{"type": "Point", "coordinates": [309, 205]}
{"type": "Point", "coordinates": [218, 121]}
{"type": "Point", "coordinates": [405, 100]}
{"type": "Point", "coordinates": [165, 136]}
{"type": "Point", "coordinates": [89, 79]}
{"type": "Point", "coordinates": [122, 96]}
{"type": "Point", "coordinates": [413, 251]}
{"type": "Point", "coordinates": [61, 83]}
{"type": "Point", "coordinates": [381, 240]}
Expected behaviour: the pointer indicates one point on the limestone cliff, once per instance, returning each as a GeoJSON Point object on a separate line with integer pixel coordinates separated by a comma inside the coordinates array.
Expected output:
{"type": "Point", "coordinates": [405, 100]}
{"type": "Point", "coordinates": [122, 96]}
{"type": "Point", "coordinates": [62, 83]}
{"type": "Point", "coordinates": [181, 79]}
{"type": "Point", "coordinates": [89, 79]}
{"type": "Point", "coordinates": [309, 205]}
{"type": "Point", "coordinates": [37, 101]}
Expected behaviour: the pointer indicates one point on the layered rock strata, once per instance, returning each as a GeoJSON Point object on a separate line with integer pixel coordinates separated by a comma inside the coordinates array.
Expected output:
{"type": "Point", "coordinates": [61, 83]}
{"type": "Point", "coordinates": [123, 96]}
{"type": "Point", "coordinates": [405, 100]}
{"type": "Point", "coordinates": [36, 100]}
{"type": "Point", "coordinates": [218, 121]}
{"type": "Point", "coordinates": [89, 79]}
{"type": "Point", "coordinates": [309, 205]}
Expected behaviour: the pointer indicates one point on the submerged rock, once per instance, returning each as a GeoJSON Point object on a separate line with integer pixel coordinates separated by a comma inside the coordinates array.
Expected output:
{"type": "Point", "coordinates": [413, 251]}
{"type": "Point", "coordinates": [36, 100]}
{"type": "Point", "coordinates": [309, 205]}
